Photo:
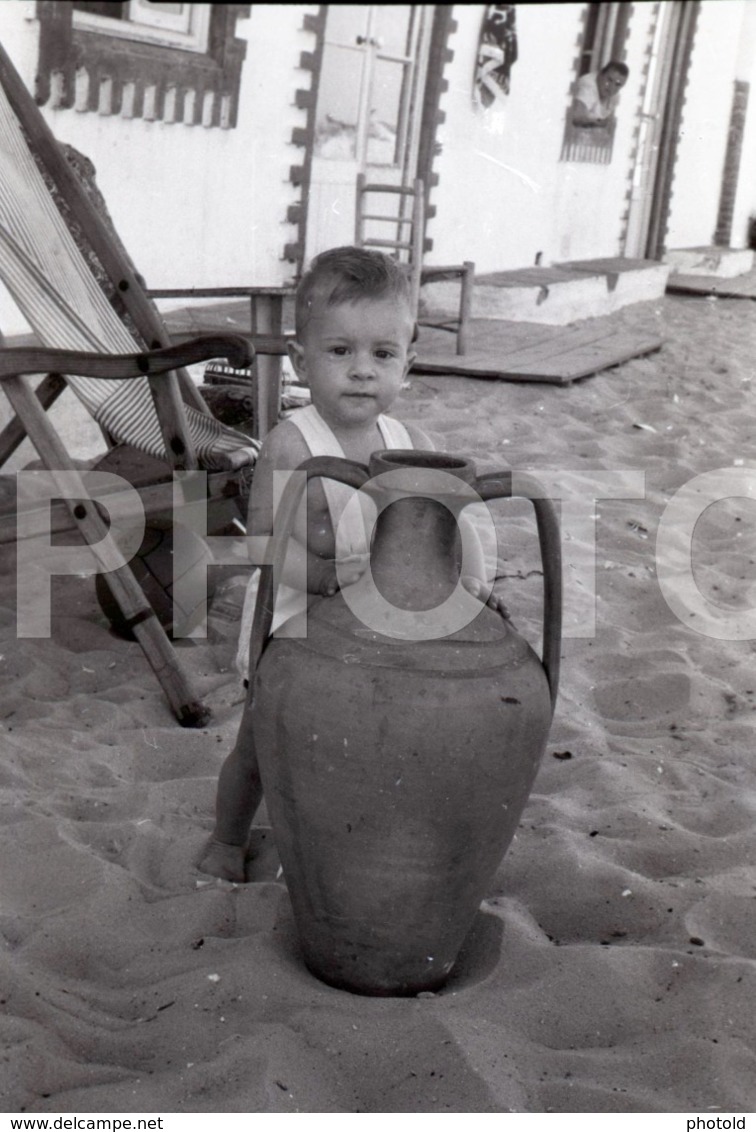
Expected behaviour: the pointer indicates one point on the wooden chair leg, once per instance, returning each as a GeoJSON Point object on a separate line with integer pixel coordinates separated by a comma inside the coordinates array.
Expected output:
{"type": "Point", "coordinates": [465, 305]}
{"type": "Point", "coordinates": [14, 433]}
{"type": "Point", "coordinates": [267, 318]}
{"type": "Point", "coordinates": [137, 611]}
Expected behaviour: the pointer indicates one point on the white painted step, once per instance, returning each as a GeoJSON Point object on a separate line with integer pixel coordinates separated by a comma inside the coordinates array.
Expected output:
{"type": "Point", "coordinates": [557, 295]}
{"type": "Point", "coordinates": [725, 263]}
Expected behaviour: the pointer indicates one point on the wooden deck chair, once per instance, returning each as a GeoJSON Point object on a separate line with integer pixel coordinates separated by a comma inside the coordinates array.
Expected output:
{"type": "Point", "coordinates": [161, 413]}
{"type": "Point", "coordinates": [400, 220]}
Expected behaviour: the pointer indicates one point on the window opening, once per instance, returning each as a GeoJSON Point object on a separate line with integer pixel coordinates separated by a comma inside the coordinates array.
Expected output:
{"type": "Point", "coordinates": [182, 62]}
{"type": "Point", "coordinates": [181, 25]}
{"type": "Point", "coordinates": [603, 41]}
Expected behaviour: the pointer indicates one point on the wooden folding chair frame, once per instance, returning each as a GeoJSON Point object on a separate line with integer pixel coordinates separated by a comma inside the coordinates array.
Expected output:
{"type": "Point", "coordinates": [31, 416]}
{"type": "Point", "coordinates": [266, 306]}
{"type": "Point", "coordinates": [160, 363]}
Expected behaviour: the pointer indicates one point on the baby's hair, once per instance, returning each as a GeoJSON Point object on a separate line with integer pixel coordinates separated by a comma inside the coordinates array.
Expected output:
{"type": "Point", "coordinates": [615, 65]}
{"type": "Point", "coordinates": [345, 275]}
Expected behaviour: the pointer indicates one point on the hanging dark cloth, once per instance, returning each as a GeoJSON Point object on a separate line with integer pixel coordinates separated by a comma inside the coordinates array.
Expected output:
{"type": "Point", "coordinates": [497, 53]}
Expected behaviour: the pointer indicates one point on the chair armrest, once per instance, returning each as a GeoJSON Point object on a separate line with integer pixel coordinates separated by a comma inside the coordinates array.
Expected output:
{"type": "Point", "coordinates": [237, 349]}
{"type": "Point", "coordinates": [264, 345]}
{"type": "Point", "coordinates": [218, 292]}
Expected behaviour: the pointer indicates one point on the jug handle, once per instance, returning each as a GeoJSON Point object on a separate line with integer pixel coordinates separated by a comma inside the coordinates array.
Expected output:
{"type": "Point", "coordinates": [499, 485]}
{"type": "Point", "coordinates": [493, 485]}
{"type": "Point", "coordinates": [330, 467]}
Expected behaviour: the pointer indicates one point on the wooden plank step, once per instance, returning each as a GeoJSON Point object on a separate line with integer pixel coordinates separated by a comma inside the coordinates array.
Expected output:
{"type": "Point", "coordinates": [561, 360]}
{"type": "Point", "coordinates": [526, 277]}
{"type": "Point", "coordinates": [478, 365]}
{"type": "Point", "coordinates": [608, 265]}
{"type": "Point", "coordinates": [564, 272]}
{"type": "Point", "coordinates": [565, 341]}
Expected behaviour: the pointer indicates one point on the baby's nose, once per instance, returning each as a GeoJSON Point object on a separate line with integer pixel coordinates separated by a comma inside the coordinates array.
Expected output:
{"type": "Point", "coordinates": [362, 366]}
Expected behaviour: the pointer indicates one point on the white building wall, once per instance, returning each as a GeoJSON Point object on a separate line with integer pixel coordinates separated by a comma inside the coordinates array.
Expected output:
{"type": "Point", "coordinates": [196, 206]}
{"type": "Point", "coordinates": [201, 206]}
{"type": "Point", "coordinates": [503, 194]}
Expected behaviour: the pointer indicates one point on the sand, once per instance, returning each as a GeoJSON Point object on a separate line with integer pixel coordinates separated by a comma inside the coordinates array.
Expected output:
{"type": "Point", "coordinates": [612, 967]}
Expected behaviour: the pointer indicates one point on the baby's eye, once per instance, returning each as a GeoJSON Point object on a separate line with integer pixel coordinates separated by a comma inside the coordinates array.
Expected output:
{"type": "Point", "coordinates": [383, 354]}
{"type": "Point", "coordinates": [339, 351]}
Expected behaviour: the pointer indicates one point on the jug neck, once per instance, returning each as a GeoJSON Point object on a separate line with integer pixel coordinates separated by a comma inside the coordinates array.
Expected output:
{"type": "Point", "coordinates": [416, 553]}
{"type": "Point", "coordinates": [417, 550]}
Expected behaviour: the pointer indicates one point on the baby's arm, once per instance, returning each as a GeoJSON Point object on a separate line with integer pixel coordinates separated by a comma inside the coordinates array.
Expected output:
{"type": "Point", "coordinates": [284, 449]}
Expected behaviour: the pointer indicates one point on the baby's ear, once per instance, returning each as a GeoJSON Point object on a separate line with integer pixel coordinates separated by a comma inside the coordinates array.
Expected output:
{"type": "Point", "coordinates": [411, 354]}
{"type": "Point", "coordinates": [296, 356]}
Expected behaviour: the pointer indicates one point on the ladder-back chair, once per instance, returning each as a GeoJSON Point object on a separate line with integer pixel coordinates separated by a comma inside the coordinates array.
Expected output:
{"type": "Point", "coordinates": [391, 218]}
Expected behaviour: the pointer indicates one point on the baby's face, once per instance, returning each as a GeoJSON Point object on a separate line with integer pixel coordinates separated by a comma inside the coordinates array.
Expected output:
{"type": "Point", "coordinates": [354, 357]}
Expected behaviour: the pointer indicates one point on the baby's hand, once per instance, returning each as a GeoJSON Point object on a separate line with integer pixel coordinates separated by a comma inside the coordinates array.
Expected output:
{"type": "Point", "coordinates": [351, 569]}
{"type": "Point", "coordinates": [324, 579]}
{"type": "Point", "coordinates": [321, 577]}
{"type": "Point", "coordinates": [475, 587]}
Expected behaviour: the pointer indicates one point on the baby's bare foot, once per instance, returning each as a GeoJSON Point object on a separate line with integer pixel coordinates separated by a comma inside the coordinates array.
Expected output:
{"type": "Point", "coordinates": [224, 861]}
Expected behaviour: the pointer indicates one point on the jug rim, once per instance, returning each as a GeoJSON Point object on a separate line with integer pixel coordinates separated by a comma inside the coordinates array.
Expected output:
{"type": "Point", "coordinates": [390, 458]}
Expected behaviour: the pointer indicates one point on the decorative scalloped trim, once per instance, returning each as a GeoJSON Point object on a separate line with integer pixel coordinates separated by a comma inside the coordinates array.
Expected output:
{"type": "Point", "coordinates": [304, 136]}
{"type": "Point", "coordinates": [633, 157]}
{"type": "Point", "coordinates": [436, 85]}
{"type": "Point", "coordinates": [88, 71]}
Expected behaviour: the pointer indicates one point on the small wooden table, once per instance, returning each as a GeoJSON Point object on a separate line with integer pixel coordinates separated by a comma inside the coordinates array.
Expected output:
{"type": "Point", "coordinates": [266, 307]}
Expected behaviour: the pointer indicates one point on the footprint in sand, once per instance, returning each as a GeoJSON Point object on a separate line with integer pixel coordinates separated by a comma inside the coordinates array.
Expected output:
{"type": "Point", "coordinates": [663, 695]}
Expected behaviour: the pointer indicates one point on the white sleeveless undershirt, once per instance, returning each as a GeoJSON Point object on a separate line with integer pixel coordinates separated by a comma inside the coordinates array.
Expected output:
{"type": "Point", "coordinates": [321, 441]}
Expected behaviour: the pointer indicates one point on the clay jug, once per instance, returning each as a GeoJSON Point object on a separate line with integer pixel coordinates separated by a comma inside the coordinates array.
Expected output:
{"type": "Point", "coordinates": [396, 764]}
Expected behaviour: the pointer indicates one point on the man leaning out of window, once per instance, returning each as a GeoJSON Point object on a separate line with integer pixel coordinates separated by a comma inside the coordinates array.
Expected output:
{"type": "Point", "coordinates": [596, 95]}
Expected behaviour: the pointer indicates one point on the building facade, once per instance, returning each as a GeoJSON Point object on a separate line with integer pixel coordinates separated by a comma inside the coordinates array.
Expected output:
{"type": "Point", "coordinates": [227, 138]}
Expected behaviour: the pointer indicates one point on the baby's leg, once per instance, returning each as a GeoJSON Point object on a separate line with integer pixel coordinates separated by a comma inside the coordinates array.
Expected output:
{"type": "Point", "coordinates": [238, 796]}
